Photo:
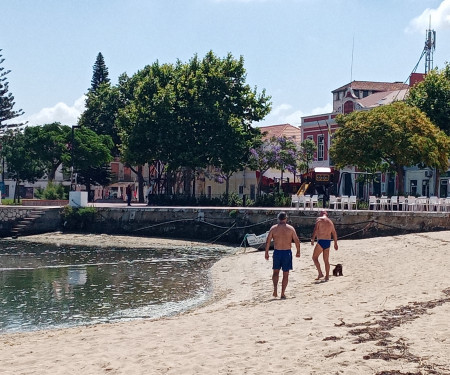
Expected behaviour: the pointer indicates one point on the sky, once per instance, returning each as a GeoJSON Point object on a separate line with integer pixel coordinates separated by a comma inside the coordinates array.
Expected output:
{"type": "Point", "coordinates": [298, 51]}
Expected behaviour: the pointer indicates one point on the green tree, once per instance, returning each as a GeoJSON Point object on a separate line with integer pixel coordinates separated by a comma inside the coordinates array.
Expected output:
{"type": "Point", "coordinates": [191, 115]}
{"type": "Point", "coordinates": [21, 158]}
{"type": "Point", "coordinates": [432, 96]}
{"type": "Point", "coordinates": [102, 108]}
{"type": "Point", "coordinates": [389, 137]}
{"type": "Point", "coordinates": [100, 74]}
{"type": "Point", "coordinates": [90, 153]}
{"type": "Point", "coordinates": [7, 103]}
{"type": "Point", "coordinates": [49, 142]}
{"type": "Point", "coordinates": [307, 149]}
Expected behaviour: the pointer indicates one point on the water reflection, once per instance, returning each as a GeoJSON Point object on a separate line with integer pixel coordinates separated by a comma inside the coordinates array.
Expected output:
{"type": "Point", "coordinates": [46, 286]}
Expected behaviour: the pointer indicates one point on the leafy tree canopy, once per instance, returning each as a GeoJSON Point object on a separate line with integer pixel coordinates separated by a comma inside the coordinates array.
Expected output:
{"type": "Point", "coordinates": [191, 114]}
{"type": "Point", "coordinates": [391, 137]}
{"type": "Point", "coordinates": [50, 144]}
{"type": "Point", "coordinates": [306, 156]}
{"type": "Point", "coordinates": [89, 149]}
{"type": "Point", "coordinates": [102, 108]}
{"type": "Point", "coordinates": [432, 96]}
{"type": "Point", "coordinates": [21, 158]}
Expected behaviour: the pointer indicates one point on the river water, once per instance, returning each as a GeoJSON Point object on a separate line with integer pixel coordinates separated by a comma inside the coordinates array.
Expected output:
{"type": "Point", "coordinates": [48, 286]}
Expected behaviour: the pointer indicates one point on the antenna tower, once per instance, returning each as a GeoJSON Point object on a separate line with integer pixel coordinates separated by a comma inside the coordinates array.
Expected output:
{"type": "Point", "coordinates": [428, 50]}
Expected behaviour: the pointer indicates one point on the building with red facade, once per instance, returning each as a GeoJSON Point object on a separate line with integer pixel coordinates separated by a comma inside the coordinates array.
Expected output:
{"type": "Point", "coordinates": [360, 96]}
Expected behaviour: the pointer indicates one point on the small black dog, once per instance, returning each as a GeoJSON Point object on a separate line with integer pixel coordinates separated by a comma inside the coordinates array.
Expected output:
{"type": "Point", "coordinates": [337, 270]}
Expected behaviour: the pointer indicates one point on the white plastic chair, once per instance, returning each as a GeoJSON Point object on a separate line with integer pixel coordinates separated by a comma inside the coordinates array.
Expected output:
{"type": "Point", "coordinates": [421, 204]}
{"type": "Point", "coordinates": [411, 203]}
{"type": "Point", "coordinates": [373, 202]}
{"type": "Point", "coordinates": [352, 202]}
{"type": "Point", "coordinates": [384, 202]}
{"type": "Point", "coordinates": [295, 200]}
{"type": "Point", "coordinates": [344, 201]}
{"type": "Point", "coordinates": [446, 205]}
{"type": "Point", "coordinates": [303, 201]}
{"type": "Point", "coordinates": [333, 202]}
{"type": "Point", "coordinates": [314, 201]}
{"type": "Point", "coordinates": [394, 202]}
{"type": "Point", "coordinates": [307, 201]}
{"type": "Point", "coordinates": [433, 204]}
{"type": "Point", "coordinates": [402, 203]}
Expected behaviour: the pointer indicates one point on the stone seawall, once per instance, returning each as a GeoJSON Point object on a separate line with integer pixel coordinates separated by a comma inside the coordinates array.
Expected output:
{"type": "Point", "coordinates": [231, 224]}
{"type": "Point", "coordinates": [48, 221]}
{"type": "Point", "coordinates": [228, 224]}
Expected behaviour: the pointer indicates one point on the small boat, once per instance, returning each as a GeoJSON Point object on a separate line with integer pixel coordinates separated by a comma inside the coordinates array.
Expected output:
{"type": "Point", "coordinates": [257, 241]}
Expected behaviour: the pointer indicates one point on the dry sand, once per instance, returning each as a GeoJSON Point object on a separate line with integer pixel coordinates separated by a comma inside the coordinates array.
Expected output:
{"type": "Point", "coordinates": [388, 314]}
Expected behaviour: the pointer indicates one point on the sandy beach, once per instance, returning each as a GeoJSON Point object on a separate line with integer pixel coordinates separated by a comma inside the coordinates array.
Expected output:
{"type": "Point", "coordinates": [389, 314]}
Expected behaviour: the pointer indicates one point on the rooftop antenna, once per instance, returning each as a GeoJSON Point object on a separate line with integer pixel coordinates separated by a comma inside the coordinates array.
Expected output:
{"type": "Point", "coordinates": [430, 45]}
{"type": "Point", "coordinates": [351, 66]}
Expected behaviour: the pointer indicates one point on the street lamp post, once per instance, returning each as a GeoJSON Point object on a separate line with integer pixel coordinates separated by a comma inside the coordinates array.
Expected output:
{"type": "Point", "coordinates": [72, 158]}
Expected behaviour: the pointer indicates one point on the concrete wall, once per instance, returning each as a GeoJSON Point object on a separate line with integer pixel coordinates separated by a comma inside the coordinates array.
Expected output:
{"type": "Point", "coordinates": [230, 224]}
{"type": "Point", "coordinates": [49, 221]}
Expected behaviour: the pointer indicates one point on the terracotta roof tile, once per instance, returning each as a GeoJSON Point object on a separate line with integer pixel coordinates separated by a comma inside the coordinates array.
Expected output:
{"type": "Point", "coordinates": [382, 98]}
{"type": "Point", "coordinates": [287, 130]}
{"type": "Point", "coordinates": [373, 86]}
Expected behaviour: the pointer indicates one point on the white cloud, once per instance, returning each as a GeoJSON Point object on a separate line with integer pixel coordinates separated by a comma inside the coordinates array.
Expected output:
{"type": "Point", "coordinates": [440, 19]}
{"type": "Point", "coordinates": [286, 114]}
{"type": "Point", "coordinates": [320, 110]}
{"type": "Point", "coordinates": [60, 112]}
{"type": "Point", "coordinates": [280, 109]}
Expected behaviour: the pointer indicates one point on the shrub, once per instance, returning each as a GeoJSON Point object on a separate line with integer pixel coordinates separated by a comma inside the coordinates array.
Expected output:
{"type": "Point", "coordinates": [52, 192]}
{"type": "Point", "coordinates": [10, 202]}
{"type": "Point", "coordinates": [78, 218]}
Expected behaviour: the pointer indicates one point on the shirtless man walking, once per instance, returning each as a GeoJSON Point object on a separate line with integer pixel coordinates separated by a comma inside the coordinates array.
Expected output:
{"type": "Point", "coordinates": [282, 234]}
{"type": "Point", "coordinates": [324, 231]}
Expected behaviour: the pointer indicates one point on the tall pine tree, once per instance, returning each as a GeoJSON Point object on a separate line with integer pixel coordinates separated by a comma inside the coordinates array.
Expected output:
{"type": "Point", "coordinates": [6, 101]}
{"type": "Point", "coordinates": [100, 74]}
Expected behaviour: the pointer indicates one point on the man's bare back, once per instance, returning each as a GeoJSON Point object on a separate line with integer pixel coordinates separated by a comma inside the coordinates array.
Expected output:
{"type": "Point", "coordinates": [324, 229]}
{"type": "Point", "coordinates": [282, 235]}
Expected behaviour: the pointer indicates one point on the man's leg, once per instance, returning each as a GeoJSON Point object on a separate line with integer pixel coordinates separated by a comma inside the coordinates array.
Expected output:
{"type": "Point", "coordinates": [326, 259]}
{"type": "Point", "coordinates": [275, 276]}
{"type": "Point", "coordinates": [284, 283]}
{"type": "Point", "coordinates": [317, 251]}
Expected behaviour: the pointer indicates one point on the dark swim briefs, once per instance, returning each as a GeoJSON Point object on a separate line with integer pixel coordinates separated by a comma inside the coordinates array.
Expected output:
{"type": "Point", "coordinates": [324, 244]}
{"type": "Point", "coordinates": [282, 259]}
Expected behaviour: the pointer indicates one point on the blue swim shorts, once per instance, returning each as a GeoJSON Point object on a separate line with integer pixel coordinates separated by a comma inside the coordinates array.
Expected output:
{"type": "Point", "coordinates": [324, 244]}
{"type": "Point", "coordinates": [282, 259]}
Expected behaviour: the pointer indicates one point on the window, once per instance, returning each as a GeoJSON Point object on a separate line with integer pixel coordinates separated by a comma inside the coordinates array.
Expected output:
{"type": "Point", "coordinates": [348, 107]}
{"type": "Point", "coordinates": [413, 187]}
{"type": "Point", "coordinates": [365, 93]}
{"type": "Point", "coordinates": [425, 188]}
{"type": "Point", "coordinates": [208, 191]}
{"type": "Point", "coordinates": [443, 188]}
{"type": "Point", "coordinates": [320, 147]}
{"type": "Point", "coordinates": [241, 190]}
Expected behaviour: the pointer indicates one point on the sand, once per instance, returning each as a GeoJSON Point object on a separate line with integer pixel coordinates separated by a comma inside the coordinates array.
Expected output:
{"type": "Point", "coordinates": [388, 314]}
